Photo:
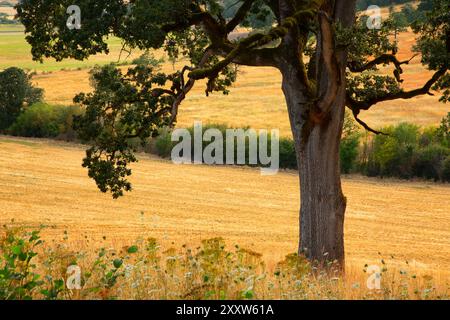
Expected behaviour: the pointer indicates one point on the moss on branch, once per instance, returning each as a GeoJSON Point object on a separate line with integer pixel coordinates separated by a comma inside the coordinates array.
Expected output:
{"type": "Point", "coordinates": [256, 40]}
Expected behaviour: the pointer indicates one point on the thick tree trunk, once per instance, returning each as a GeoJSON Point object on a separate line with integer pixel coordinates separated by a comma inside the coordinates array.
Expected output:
{"type": "Point", "coordinates": [322, 201]}
{"type": "Point", "coordinates": [316, 113]}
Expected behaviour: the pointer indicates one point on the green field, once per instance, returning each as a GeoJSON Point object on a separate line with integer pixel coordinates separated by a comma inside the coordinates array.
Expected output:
{"type": "Point", "coordinates": [15, 51]}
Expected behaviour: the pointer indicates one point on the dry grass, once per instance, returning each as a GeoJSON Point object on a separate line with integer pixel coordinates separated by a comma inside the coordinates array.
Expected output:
{"type": "Point", "coordinates": [43, 182]}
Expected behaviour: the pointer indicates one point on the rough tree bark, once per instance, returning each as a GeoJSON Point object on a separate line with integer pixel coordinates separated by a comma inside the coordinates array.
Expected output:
{"type": "Point", "coordinates": [322, 201]}
{"type": "Point", "coordinates": [317, 135]}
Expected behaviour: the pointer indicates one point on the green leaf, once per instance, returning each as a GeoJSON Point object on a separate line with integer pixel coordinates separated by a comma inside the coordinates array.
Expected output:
{"type": "Point", "coordinates": [248, 294]}
{"type": "Point", "coordinates": [16, 250]}
{"type": "Point", "coordinates": [23, 256]}
{"type": "Point", "coordinates": [117, 263]}
{"type": "Point", "coordinates": [132, 249]}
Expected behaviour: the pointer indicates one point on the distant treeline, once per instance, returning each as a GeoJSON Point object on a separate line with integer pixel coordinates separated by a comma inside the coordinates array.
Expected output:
{"type": "Point", "coordinates": [5, 18]}
{"type": "Point", "coordinates": [6, 4]}
{"type": "Point", "coordinates": [407, 151]}
{"type": "Point", "coordinates": [363, 4]}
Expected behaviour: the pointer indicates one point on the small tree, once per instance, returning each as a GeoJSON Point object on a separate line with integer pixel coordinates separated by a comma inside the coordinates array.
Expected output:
{"type": "Point", "coordinates": [16, 92]}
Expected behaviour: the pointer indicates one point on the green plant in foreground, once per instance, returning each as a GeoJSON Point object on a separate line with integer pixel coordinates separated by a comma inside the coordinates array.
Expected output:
{"type": "Point", "coordinates": [30, 269]}
{"type": "Point", "coordinates": [18, 279]}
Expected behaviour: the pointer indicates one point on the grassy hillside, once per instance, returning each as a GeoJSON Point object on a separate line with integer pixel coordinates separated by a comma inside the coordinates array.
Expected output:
{"type": "Point", "coordinates": [15, 51]}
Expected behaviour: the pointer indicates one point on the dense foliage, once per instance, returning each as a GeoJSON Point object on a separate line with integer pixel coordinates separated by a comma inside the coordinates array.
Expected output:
{"type": "Point", "coordinates": [407, 152]}
{"type": "Point", "coordinates": [121, 107]}
{"type": "Point", "coordinates": [42, 120]}
{"type": "Point", "coordinates": [16, 92]}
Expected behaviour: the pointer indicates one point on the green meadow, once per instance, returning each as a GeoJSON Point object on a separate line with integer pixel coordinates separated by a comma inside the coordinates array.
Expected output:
{"type": "Point", "coordinates": [15, 51]}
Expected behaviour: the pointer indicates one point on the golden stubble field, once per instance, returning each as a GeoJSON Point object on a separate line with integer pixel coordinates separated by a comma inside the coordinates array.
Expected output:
{"type": "Point", "coordinates": [42, 182]}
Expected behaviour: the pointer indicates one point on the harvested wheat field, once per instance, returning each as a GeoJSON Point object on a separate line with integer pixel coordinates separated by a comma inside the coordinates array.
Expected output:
{"type": "Point", "coordinates": [42, 182]}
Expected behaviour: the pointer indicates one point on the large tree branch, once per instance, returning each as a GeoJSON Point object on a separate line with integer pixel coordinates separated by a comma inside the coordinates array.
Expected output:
{"type": "Point", "coordinates": [366, 105]}
{"type": "Point", "coordinates": [217, 33]}
{"type": "Point", "coordinates": [329, 93]}
{"type": "Point", "coordinates": [383, 59]}
{"type": "Point", "coordinates": [239, 16]}
{"type": "Point", "coordinates": [264, 57]}
{"type": "Point", "coordinates": [365, 125]}
{"type": "Point", "coordinates": [215, 30]}
{"type": "Point", "coordinates": [251, 44]}
{"type": "Point", "coordinates": [186, 87]}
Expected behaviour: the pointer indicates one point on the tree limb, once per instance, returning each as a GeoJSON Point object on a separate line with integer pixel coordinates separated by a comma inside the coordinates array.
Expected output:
{"type": "Point", "coordinates": [383, 59]}
{"type": "Point", "coordinates": [365, 125]}
{"type": "Point", "coordinates": [187, 87]}
{"type": "Point", "coordinates": [366, 105]}
{"type": "Point", "coordinates": [239, 16]}
{"type": "Point", "coordinates": [328, 96]}
{"type": "Point", "coordinates": [253, 41]}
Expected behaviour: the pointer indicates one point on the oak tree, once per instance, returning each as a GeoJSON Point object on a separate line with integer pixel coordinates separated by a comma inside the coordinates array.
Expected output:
{"type": "Point", "coordinates": [328, 58]}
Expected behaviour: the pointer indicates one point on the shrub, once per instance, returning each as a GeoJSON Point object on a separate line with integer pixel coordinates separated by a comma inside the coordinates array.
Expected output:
{"type": "Point", "coordinates": [288, 157]}
{"type": "Point", "coordinates": [65, 121]}
{"type": "Point", "coordinates": [16, 92]}
{"type": "Point", "coordinates": [406, 151]}
{"type": "Point", "coordinates": [18, 278]}
{"type": "Point", "coordinates": [429, 162]}
{"type": "Point", "coordinates": [45, 121]}
{"type": "Point", "coordinates": [429, 136]}
{"type": "Point", "coordinates": [392, 155]}
{"type": "Point", "coordinates": [349, 148]}
{"type": "Point", "coordinates": [349, 152]}
{"type": "Point", "coordinates": [287, 153]}
{"type": "Point", "coordinates": [148, 59]}
{"type": "Point", "coordinates": [443, 132]}
{"type": "Point", "coordinates": [163, 143]}
{"type": "Point", "coordinates": [446, 169]}
{"type": "Point", "coordinates": [406, 133]}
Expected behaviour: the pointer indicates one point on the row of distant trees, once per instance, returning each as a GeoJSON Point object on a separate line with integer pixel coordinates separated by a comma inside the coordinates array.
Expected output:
{"type": "Point", "coordinates": [5, 18]}
{"type": "Point", "coordinates": [6, 4]}
{"type": "Point", "coordinates": [363, 4]}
